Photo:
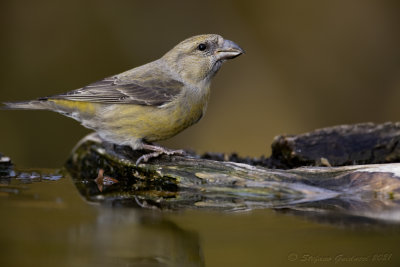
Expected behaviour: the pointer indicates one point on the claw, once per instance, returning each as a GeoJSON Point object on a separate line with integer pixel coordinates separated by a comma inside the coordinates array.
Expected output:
{"type": "Point", "coordinates": [146, 157]}
{"type": "Point", "coordinates": [158, 151]}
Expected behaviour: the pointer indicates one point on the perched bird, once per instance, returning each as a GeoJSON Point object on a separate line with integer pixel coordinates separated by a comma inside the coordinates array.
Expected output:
{"type": "Point", "coordinates": [151, 102]}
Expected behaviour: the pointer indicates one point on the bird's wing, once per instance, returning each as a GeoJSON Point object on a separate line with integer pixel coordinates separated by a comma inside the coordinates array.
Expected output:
{"type": "Point", "coordinates": [150, 91]}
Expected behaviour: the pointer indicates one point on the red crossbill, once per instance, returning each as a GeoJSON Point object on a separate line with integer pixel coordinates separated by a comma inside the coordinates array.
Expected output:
{"type": "Point", "coordinates": [149, 103]}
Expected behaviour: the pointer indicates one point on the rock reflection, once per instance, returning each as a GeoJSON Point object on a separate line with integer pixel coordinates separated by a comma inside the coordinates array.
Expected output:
{"type": "Point", "coordinates": [71, 232]}
{"type": "Point", "coordinates": [130, 237]}
{"type": "Point", "coordinates": [348, 212]}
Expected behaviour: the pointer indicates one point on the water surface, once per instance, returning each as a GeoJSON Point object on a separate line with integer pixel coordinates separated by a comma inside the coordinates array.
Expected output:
{"type": "Point", "coordinates": [46, 222]}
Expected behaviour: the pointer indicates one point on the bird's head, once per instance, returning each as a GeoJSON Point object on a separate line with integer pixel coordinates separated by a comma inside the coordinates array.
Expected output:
{"type": "Point", "coordinates": [198, 58]}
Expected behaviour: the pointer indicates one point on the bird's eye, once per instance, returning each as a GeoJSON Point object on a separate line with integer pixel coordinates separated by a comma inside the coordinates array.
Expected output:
{"type": "Point", "coordinates": [202, 47]}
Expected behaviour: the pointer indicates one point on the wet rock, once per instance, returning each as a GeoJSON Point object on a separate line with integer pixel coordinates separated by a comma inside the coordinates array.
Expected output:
{"type": "Point", "coordinates": [177, 182]}
{"type": "Point", "coordinates": [6, 166]}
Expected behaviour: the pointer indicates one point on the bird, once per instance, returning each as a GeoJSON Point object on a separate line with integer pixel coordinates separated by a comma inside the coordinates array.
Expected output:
{"type": "Point", "coordinates": [149, 103]}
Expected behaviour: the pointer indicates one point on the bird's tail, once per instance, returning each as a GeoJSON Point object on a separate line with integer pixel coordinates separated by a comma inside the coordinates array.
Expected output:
{"type": "Point", "coordinates": [34, 104]}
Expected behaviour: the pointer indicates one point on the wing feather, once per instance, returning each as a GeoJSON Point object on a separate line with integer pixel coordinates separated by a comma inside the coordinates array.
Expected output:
{"type": "Point", "coordinates": [150, 91]}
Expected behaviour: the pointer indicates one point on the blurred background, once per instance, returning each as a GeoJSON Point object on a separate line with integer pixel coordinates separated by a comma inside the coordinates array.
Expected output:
{"type": "Point", "coordinates": [309, 64]}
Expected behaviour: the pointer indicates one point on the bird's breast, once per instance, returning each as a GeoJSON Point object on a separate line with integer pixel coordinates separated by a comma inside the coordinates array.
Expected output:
{"type": "Point", "coordinates": [153, 123]}
{"type": "Point", "coordinates": [184, 112]}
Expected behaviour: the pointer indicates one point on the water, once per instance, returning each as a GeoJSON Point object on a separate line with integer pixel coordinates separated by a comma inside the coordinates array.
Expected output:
{"type": "Point", "coordinates": [46, 222]}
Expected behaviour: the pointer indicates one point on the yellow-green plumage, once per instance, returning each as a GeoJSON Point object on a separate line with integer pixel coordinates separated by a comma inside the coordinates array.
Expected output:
{"type": "Point", "coordinates": [83, 107]}
{"type": "Point", "coordinates": [153, 124]}
{"type": "Point", "coordinates": [151, 102]}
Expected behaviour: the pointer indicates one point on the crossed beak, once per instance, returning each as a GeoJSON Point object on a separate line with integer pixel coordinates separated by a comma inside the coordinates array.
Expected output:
{"type": "Point", "coordinates": [229, 50]}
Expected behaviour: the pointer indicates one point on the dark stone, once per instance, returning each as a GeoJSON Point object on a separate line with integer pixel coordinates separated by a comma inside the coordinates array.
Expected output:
{"type": "Point", "coordinates": [364, 143]}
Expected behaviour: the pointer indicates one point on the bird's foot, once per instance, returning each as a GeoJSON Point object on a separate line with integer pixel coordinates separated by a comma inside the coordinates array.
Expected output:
{"type": "Point", "coordinates": [158, 151]}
